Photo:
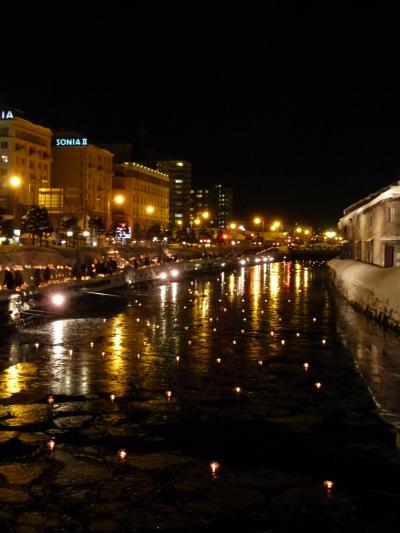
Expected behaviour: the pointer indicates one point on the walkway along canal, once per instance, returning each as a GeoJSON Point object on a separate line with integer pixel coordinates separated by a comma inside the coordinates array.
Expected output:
{"type": "Point", "coordinates": [230, 402]}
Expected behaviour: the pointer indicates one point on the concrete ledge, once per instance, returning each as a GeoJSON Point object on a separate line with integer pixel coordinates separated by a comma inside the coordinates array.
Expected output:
{"type": "Point", "coordinates": [373, 289]}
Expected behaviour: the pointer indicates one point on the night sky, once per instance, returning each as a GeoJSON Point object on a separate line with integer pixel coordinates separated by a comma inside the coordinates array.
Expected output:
{"type": "Point", "coordinates": [297, 108]}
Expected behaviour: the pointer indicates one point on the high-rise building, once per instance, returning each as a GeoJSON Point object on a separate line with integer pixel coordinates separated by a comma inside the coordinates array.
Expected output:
{"type": "Point", "coordinates": [180, 173]}
{"type": "Point", "coordinates": [84, 171]}
{"type": "Point", "coordinates": [221, 205]}
{"type": "Point", "coordinates": [25, 161]}
{"type": "Point", "coordinates": [140, 198]}
{"type": "Point", "coordinates": [200, 202]}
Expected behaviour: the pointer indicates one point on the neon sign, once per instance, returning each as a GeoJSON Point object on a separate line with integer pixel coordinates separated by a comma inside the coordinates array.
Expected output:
{"type": "Point", "coordinates": [71, 142]}
{"type": "Point", "coordinates": [6, 115]}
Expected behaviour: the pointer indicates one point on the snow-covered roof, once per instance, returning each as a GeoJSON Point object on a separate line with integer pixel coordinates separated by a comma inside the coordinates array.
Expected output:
{"type": "Point", "coordinates": [390, 191]}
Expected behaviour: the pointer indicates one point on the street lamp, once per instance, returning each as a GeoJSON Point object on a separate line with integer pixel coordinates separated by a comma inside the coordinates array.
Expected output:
{"type": "Point", "coordinates": [259, 220]}
{"type": "Point", "coordinates": [119, 199]}
{"type": "Point", "coordinates": [15, 183]}
{"type": "Point", "coordinates": [149, 209]}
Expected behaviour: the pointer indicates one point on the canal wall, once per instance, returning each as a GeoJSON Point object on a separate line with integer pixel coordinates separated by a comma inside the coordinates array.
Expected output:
{"type": "Point", "coordinates": [374, 290]}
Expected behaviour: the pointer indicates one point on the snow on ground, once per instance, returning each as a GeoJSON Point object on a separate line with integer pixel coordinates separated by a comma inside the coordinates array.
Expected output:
{"type": "Point", "coordinates": [373, 289]}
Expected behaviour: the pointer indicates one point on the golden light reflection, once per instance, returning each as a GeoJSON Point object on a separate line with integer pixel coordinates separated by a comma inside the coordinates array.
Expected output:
{"type": "Point", "coordinates": [274, 281]}
{"type": "Point", "coordinates": [16, 378]}
{"type": "Point", "coordinates": [240, 281]}
{"type": "Point", "coordinates": [174, 291]}
{"type": "Point", "coordinates": [58, 338]}
{"type": "Point", "coordinates": [305, 277]}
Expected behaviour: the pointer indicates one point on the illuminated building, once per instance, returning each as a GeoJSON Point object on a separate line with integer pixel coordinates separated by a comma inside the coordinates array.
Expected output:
{"type": "Point", "coordinates": [199, 202]}
{"type": "Point", "coordinates": [140, 197]}
{"type": "Point", "coordinates": [221, 205]}
{"type": "Point", "coordinates": [25, 160]}
{"type": "Point", "coordinates": [84, 171]}
{"type": "Point", "coordinates": [370, 228]}
{"type": "Point", "coordinates": [180, 173]}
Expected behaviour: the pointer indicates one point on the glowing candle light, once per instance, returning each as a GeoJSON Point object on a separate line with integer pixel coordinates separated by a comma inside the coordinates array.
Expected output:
{"type": "Point", "coordinates": [233, 342]}
{"type": "Point", "coordinates": [138, 320]}
{"type": "Point", "coordinates": [50, 400]}
{"type": "Point", "coordinates": [238, 390]}
{"type": "Point", "coordinates": [318, 385]}
{"type": "Point", "coordinates": [177, 358]}
{"type": "Point", "coordinates": [329, 484]}
{"type": "Point", "coordinates": [272, 333]}
{"type": "Point", "coordinates": [214, 466]}
{"type": "Point", "coordinates": [103, 353]}
{"type": "Point", "coordinates": [36, 345]}
{"type": "Point", "coordinates": [306, 366]}
{"type": "Point", "coordinates": [260, 363]}
{"type": "Point", "coordinates": [122, 454]}
{"type": "Point", "coordinates": [71, 352]}
{"type": "Point", "coordinates": [245, 320]}
{"type": "Point", "coordinates": [314, 319]}
{"type": "Point", "coordinates": [138, 356]}
{"type": "Point", "coordinates": [214, 330]}
{"type": "Point", "coordinates": [168, 394]}
{"type": "Point", "coordinates": [323, 341]}
{"type": "Point", "coordinates": [242, 331]}
{"type": "Point", "coordinates": [283, 342]}
{"type": "Point", "coordinates": [297, 334]}
{"type": "Point", "coordinates": [112, 397]}
{"type": "Point", "coordinates": [186, 328]}
{"type": "Point", "coordinates": [218, 360]}
{"type": "Point", "coordinates": [189, 343]}
{"type": "Point", "coordinates": [51, 444]}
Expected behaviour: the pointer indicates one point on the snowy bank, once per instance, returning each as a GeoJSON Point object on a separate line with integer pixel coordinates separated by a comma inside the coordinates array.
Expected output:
{"type": "Point", "coordinates": [373, 289]}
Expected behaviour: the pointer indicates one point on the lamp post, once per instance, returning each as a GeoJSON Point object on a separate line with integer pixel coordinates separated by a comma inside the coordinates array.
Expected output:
{"type": "Point", "coordinates": [15, 184]}
{"type": "Point", "coordinates": [259, 220]}
{"type": "Point", "coordinates": [275, 226]}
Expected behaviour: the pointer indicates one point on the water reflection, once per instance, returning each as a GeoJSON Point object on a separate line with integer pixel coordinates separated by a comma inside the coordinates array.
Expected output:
{"type": "Point", "coordinates": [202, 337]}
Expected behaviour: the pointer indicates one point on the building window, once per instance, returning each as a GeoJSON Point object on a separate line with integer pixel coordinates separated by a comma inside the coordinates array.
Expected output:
{"type": "Point", "coordinates": [4, 158]}
{"type": "Point", "coordinates": [4, 144]}
{"type": "Point", "coordinates": [391, 214]}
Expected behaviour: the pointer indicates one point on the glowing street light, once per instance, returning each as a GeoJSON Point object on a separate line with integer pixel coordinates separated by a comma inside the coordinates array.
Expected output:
{"type": "Point", "coordinates": [259, 220]}
{"type": "Point", "coordinates": [149, 209]}
{"type": "Point", "coordinates": [15, 182]}
{"type": "Point", "coordinates": [232, 225]}
{"type": "Point", "coordinates": [119, 199]}
{"type": "Point", "coordinates": [205, 215]}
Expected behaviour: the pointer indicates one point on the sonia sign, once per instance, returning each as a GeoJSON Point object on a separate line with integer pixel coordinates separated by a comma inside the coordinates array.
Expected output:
{"type": "Point", "coordinates": [6, 114]}
{"type": "Point", "coordinates": [71, 142]}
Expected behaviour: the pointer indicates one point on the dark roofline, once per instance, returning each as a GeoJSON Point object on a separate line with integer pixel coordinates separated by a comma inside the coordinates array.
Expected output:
{"type": "Point", "coordinates": [368, 198]}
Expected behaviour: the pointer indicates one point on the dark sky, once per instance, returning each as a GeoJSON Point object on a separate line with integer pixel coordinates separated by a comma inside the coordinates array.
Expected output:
{"type": "Point", "coordinates": [296, 107]}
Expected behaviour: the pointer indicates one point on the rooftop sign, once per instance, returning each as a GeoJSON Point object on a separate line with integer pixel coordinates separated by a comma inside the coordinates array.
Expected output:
{"type": "Point", "coordinates": [71, 142]}
{"type": "Point", "coordinates": [6, 114]}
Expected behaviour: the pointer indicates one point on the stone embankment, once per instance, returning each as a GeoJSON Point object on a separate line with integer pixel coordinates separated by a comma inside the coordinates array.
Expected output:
{"type": "Point", "coordinates": [372, 289]}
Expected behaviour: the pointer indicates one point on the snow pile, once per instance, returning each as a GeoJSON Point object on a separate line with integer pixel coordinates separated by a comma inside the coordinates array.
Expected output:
{"type": "Point", "coordinates": [374, 289]}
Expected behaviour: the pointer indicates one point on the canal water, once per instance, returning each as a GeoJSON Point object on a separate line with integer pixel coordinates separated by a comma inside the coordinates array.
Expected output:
{"type": "Point", "coordinates": [245, 399]}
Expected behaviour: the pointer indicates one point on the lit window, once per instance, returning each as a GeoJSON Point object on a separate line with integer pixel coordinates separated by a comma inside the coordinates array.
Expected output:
{"type": "Point", "coordinates": [4, 158]}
